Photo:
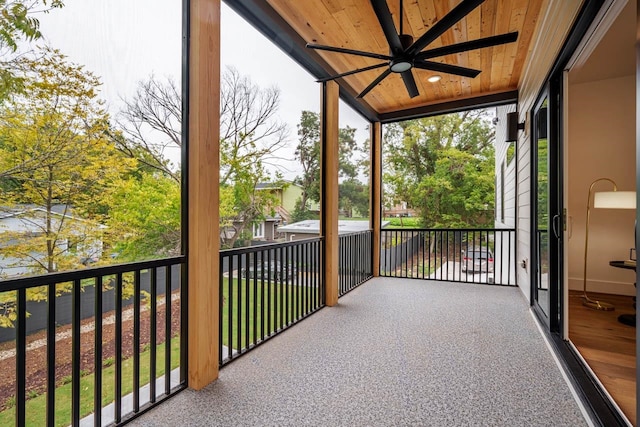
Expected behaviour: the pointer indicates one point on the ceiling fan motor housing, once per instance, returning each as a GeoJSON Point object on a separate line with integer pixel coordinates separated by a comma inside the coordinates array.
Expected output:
{"type": "Point", "coordinates": [400, 62]}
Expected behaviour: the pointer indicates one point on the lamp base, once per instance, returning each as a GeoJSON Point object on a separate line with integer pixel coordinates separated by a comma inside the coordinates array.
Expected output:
{"type": "Point", "coordinates": [597, 305]}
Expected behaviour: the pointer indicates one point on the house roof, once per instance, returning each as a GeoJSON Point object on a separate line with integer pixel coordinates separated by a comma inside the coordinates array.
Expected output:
{"type": "Point", "coordinates": [312, 226]}
{"type": "Point", "coordinates": [354, 25]}
{"type": "Point", "coordinates": [17, 210]}
{"type": "Point", "coordinates": [7, 212]}
{"type": "Point", "coordinates": [274, 185]}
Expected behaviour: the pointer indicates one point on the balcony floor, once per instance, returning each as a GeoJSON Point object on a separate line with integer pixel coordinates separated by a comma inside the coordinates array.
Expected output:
{"type": "Point", "coordinates": [393, 352]}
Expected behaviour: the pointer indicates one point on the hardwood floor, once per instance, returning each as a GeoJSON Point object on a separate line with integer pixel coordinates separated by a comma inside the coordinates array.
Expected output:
{"type": "Point", "coordinates": [608, 346]}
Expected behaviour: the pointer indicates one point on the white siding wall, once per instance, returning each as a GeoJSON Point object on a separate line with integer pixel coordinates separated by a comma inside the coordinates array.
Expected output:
{"type": "Point", "coordinates": [509, 179]}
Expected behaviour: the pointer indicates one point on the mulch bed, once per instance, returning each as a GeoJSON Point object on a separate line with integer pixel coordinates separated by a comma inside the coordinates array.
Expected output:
{"type": "Point", "coordinates": [37, 357]}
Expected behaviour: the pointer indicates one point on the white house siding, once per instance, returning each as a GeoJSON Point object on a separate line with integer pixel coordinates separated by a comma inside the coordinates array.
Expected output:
{"type": "Point", "coordinates": [548, 39]}
{"type": "Point", "coordinates": [508, 167]}
{"type": "Point", "coordinates": [505, 198]}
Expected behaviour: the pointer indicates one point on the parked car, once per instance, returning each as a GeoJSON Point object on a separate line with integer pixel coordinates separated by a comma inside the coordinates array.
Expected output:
{"type": "Point", "coordinates": [478, 259]}
{"type": "Point", "coordinates": [273, 269]}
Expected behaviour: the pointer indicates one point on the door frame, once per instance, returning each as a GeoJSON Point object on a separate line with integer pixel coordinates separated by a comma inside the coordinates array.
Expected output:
{"type": "Point", "coordinates": [596, 403]}
{"type": "Point", "coordinates": [552, 93]}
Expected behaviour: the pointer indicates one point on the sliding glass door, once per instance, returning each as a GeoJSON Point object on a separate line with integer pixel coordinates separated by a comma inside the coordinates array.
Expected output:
{"type": "Point", "coordinates": [547, 223]}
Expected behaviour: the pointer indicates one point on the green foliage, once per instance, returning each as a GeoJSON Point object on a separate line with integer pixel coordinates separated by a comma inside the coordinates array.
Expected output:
{"type": "Point", "coordinates": [404, 222]}
{"type": "Point", "coordinates": [301, 213]}
{"type": "Point", "coordinates": [543, 183]}
{"type": "Point", "coordinates": [242, 205]}
{"type": "Point", "coordinates": [443, 167]}
{"type": "Point", "coordinates": [17, 24]}
{"type": "Point", "coordinates": [144, 218]}
{"type": "Point", "coordinates": [308, 153]}
{"type": "Point", "coordinates": [10, 402]}
{"type": "Point", "coordinates": [354, 198]}
{"type": "Point", "coordinates": [353, 195]}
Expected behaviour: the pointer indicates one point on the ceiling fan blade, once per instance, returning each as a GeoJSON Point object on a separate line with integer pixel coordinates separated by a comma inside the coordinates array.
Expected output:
{"type": "Point", "coordinates": [446, 68]}
{"type": "Point", "coordinates": [348, 73]}
{"type": "Point", "coordinates": [348, 51]}
{"type": "Point", "coordinates": [374, 83]}
{"type": "Point", "coordinates": [470, 45]}
{"type": "Point", "coordinates": [410, 83]}
{"type": "Point", "coordinates": [449, 20]}
{"type": "Point", "coordinates": [383, 13]}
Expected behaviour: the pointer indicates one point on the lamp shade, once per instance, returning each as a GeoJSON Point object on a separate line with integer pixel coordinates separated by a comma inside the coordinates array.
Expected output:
{"type": "Point", "coordinates": [615, 200]}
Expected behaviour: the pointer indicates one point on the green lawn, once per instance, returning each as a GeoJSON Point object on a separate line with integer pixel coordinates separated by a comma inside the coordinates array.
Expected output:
{"type": "Point", "coordinates": [36, 407]}
{"type": "Point", "coordinates": [275, 295]}
{"type": "Point", "coordinates": [406, 222]}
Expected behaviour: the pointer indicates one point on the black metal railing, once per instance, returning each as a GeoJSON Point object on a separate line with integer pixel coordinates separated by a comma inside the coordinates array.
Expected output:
{"type": "Point", "coordinates": [355, 261]}
{"type": "Point", "coordinates": [453, 255]}
{"type": "Point", "coordinates": [264, 290]}
{"type": "Point", "coordinates": [103, 333]}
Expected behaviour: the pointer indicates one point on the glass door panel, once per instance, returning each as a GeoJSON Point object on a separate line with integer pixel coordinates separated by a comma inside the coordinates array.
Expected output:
{"type": "Point", "coordinates": [542, 217]}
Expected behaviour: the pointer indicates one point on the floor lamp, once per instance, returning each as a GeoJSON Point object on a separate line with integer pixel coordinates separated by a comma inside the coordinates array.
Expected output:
{"type": "Point", "coordinates": [607, 200]}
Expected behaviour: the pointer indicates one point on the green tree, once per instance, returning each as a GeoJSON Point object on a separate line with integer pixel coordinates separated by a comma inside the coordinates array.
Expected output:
{"type": "Point", "coordinates": [144, 219]}
{"type": "Point", "coordinates": [17, 24]}
{"type": "Point", "coordinates": [352, 191]}
{"type": "Point", "coordinates": [308, 153]}
{"type": "Point", "coordinates": [55, 153]}
{"type": "Point", "coordinates": [354, 197]}
{"type": "Point", "coordinates": [444, 167]}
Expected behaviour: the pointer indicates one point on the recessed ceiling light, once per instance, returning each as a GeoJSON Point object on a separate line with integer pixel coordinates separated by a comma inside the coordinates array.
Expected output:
{"type": "Point", "coordinates": [434, 79]}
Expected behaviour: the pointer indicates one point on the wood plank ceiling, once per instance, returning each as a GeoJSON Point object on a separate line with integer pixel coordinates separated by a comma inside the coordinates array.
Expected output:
{"type": "Point", "coordinates": [352, 24]}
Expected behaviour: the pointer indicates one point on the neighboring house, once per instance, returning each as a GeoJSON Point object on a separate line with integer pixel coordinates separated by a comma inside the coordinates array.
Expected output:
{"type": "Point", "coordinates": [399, 210]}
{"type": "Point", "coordinates": [287, 194]}
{"type": "Point", "coordinates": [265, 230]}
{"type": "Point", "coordinates": [311, 228]}
{"type": "Point", "coordinates": [77, 238]}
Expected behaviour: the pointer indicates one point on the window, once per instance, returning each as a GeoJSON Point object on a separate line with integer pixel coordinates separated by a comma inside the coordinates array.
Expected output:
{"type": "Point", "coordinates": [258, 230]}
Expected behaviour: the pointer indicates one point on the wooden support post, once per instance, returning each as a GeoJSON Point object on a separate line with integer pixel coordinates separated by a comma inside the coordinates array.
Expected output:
{"type": "Point", "coordinates": [203, 175]}
{"type": "Point", "coordinates": [329, 188]}
{"type": "Point", "coordinates": [375, 200]}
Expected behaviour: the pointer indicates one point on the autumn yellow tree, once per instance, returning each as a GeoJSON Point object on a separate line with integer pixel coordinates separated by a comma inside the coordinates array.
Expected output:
{"type": "Point", "coordinates": [56, 163]}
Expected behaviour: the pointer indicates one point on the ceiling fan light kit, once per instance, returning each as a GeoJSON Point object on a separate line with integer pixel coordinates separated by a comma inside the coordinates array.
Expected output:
{"type": "Point", "coordinates": [405, 55]}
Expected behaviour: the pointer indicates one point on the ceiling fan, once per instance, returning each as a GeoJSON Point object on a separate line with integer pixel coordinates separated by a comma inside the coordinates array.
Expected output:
{"type": "Point", "coordinates": [405, 54]}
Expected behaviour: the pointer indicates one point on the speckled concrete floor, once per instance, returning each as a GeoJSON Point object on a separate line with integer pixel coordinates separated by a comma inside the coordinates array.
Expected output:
{"type": "Point", "coordinates": [393, 352]}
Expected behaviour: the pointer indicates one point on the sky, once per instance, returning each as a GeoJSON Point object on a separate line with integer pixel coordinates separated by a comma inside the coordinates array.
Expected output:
{"type": "Point", "coordinates": [125, 41]}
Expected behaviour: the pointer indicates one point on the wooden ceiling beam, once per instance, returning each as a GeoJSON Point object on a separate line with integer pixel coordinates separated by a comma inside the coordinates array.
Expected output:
{"type": "Point", "coordinates": [454, 106]}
